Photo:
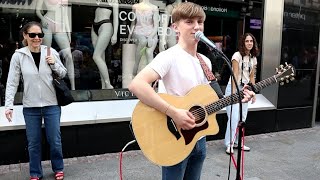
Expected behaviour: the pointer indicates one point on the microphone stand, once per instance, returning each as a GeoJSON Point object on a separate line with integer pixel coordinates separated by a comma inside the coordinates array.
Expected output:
{"type": "Point", "coordinates": [241, 123]}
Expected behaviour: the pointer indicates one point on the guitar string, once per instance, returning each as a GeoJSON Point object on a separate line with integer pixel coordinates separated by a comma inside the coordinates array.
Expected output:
{"type": "Point", "coordinates": [199, 112]}
{"type": "Point", "coordinates": [213, 107]}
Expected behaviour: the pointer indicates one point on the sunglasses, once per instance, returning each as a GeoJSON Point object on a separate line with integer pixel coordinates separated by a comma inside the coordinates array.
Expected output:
{"type": "Point", "coordinates": [33, 35]}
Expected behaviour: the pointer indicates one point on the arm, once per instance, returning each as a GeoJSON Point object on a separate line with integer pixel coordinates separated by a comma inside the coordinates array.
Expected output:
{"type": "Point", "coordinates": [57, 66]}
{"type": "Point", "coordinates": [155, 27]}
{"type": "Point", "coordinates": [115, 13]}
{"type": "Point", "coordinates": [66, 20]}
{"type": "Point", "coordinates": [235, 69]}
{"type": "Point", "coordinates": [12, 85]}
{"type": "Point", "coordinates": [165, 22]}
{"type": "Point", "coordinates": [248, 95]}
{"type": "Point", "coordinates": [140, 86]}
{"type": "Point", "coordinates": [253, 72]}
{"type": "Point", "coordinates": [155, 22]}
{"type": "Point", "coordinates": [39, 9]}
{"type": "Point", "coordinates": [253, 80]}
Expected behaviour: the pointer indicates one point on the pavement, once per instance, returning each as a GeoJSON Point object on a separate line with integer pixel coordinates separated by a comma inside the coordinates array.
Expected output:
{"type": "Point", "coordinates": [285, 155]}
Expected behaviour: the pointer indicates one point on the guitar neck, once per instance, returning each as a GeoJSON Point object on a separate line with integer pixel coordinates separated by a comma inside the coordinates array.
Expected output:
{"type": "Point", "coordinates": [234, 98]}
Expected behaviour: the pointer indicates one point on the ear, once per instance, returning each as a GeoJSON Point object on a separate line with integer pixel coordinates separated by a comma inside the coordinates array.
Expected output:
{"type": "Point", "coordinates": [24, 35]}
{"type": "Point", "coordinates": [175, 27]}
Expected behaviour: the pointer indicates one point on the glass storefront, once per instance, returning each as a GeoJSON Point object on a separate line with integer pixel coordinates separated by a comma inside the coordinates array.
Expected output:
{"type": "Point", "coordinates": [104, 43]}
{"type": "Point", "coordinates": [300, 44]}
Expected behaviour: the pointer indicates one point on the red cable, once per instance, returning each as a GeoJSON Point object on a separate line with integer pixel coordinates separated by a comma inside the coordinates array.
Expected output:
{"type": "Point", "coordinates": [121, 165]}
{"type": "Point", "coordinates": [120, 158]}
{"type": "Point", "coordinates": [242, 152]}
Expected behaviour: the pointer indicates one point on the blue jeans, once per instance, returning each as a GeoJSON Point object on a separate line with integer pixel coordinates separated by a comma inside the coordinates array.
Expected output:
{"type": "Point", "coordinates": [234, 118]}
{"type": "Point", "coordinates": [190, 168]}
{"type": "Point", "coordinates": [33, 117]}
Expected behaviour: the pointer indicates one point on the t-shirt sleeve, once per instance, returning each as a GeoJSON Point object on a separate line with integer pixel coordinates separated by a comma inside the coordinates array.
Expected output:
{"type": "Point", "coordinates": [161, 64]}
{"type": "Point", "coordinates": [236, 56]}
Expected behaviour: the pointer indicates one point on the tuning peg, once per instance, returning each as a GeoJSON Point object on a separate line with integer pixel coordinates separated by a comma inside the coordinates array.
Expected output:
{"type": "Point", "coordinates": [292, 79]}
{"type": "Point", "coordinates": [281, 79]}
{"type": "Point", "coordinates": [287, 81]}
{"type": "Point", "coordinates": [292, 74]}
{"type": "Point", "coordinates": [277, 70]}
{"type": "Point", "coordinates": [286, 63]}
{"type": "Point", "coordinates": [281, 83]}
{"type": "Point", "coordinates": [287, 77]}
{"type": "Point", "coordinates": [281, 66]}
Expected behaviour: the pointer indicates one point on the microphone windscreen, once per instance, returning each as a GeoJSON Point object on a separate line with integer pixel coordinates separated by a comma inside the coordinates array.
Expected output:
{"type": "Point", "coordinates": [198, 35]}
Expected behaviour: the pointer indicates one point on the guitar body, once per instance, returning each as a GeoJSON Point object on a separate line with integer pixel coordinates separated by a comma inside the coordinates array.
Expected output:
{"type": "Point", "coordinates": [157, 142]}
{"type": "Point", "coordinates": [165, 145]}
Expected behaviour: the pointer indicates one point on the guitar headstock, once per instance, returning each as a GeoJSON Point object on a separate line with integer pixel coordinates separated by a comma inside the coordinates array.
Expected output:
{"type": "Point", "coordinates": [285, 73]}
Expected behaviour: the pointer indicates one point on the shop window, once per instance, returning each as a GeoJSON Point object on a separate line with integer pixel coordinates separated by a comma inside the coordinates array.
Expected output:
{"type": "Point", "coordinates": [102, 63]}
{"type": "Point", "coordinates": [300, 43]}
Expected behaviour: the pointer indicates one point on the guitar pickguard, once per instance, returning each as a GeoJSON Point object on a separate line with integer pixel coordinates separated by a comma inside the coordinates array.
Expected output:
{"type": "Point", "coordinates": [189, 134]}
{"type": "Point", "coordinates": [172, 128]}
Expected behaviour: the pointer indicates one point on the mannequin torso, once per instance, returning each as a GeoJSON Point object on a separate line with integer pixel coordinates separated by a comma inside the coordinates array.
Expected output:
{"type": "Point", "coordinates": [145, 31]}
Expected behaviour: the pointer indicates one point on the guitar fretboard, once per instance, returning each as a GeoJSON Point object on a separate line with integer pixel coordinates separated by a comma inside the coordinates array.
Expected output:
{"type": "Point", "coordinates": [234, 98]}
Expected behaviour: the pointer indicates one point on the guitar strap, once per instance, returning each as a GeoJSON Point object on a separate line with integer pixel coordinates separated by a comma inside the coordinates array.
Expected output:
{"type": "Point", "coordinates": [206, 69]}
{"type": "Point", "coordinates": [211, 78]}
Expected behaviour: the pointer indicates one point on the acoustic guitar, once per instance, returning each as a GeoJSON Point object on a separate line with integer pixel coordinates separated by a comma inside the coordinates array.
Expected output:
{"type": "Point", "coordinates": [165, 145]}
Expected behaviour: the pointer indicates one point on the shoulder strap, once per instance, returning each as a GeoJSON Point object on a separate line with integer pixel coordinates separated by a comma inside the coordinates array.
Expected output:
{"type": "Point", "coordinates": [206, 69]}
{"type": "Point", "coordinates": [48, 51]}
{"type": "Point", "coordinates": [48, 54]}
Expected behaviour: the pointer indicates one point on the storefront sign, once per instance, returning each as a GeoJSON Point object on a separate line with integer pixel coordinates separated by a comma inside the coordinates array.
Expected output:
{"type": "Point", "coordinates": [294, 15]}
{"type": "Point", "coordinates": [297, 15]}
{"type": "Point", "coordinates": [123, 94]}
{"type": "Point", "coordinates": [220, 11]}
{"type": "Point", "coordinates": [122, 3]}
{"type": "Point", "coordinates": [19, 4]}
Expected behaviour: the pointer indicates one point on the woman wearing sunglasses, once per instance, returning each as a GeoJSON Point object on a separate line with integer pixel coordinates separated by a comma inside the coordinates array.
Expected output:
{"type": "Point", "coordinates": [36, 66]}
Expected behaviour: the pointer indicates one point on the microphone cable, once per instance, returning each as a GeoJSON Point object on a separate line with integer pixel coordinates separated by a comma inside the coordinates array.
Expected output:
{"type": "Point", "coordinates": [120, 158]}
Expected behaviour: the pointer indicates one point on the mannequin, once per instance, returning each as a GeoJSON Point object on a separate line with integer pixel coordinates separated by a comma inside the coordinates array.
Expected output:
{"type": "Point", "coordinates": [103, 31]}
{"type": "Point", "coordinates": [55, 24]}
{"type": "Point", "coordinates": [169, 37]}
{"type": "Point", "coordinates": [145, 28]}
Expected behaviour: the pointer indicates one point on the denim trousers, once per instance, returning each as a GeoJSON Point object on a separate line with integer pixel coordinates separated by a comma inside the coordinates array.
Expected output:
{"type": "Point", "coordinates": [33, 118]}
{"type": "Point", "coordinates": [190, 168]}
{"type": "Point", "coordinates": [234, 117]}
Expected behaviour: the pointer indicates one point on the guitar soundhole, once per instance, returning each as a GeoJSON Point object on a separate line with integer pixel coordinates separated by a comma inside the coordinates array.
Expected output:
{"type": "Point", "coordinates": [199, 113]}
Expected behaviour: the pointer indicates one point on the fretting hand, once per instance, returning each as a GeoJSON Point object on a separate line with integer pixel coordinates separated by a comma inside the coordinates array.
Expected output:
{"type": "Point", "coordinates": [248, 95]}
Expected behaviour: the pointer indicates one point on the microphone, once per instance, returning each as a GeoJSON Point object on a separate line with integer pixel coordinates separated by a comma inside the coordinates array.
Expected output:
{"type": "Point", "coordinates": [200, 36]}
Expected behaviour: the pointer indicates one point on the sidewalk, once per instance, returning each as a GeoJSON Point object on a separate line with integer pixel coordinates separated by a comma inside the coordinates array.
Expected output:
{"type": "Point", "coordinates": [286, 155]}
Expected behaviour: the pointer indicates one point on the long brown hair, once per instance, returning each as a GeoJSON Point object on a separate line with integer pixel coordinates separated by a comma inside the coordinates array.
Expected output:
{"type": "Point", "coordinates": [26, 28]}
{"type": "Point", "coordinates": [242, 47]}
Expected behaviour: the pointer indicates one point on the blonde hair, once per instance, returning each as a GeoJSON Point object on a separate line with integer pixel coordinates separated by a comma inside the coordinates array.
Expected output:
{"type": "Point", "coordinates": [186, 10]}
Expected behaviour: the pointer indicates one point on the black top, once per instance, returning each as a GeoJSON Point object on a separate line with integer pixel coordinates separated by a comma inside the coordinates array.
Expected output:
{"type": "Point", "coordinates": [36, 58]}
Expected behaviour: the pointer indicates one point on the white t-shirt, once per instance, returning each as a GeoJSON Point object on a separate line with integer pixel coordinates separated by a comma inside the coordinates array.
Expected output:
{"type": "Point", "coordinates": [248, 65]}
{"type": "Point", "coordinates": [179, 71]}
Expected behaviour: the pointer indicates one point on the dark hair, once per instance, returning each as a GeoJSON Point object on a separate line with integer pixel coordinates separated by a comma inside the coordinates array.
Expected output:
{"type": "Point", "coordinates": [26, 28]}
{"type": "Point", "coordinates": [242, 47]}
{"type": "Point", "coordinates": [187, 10]}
